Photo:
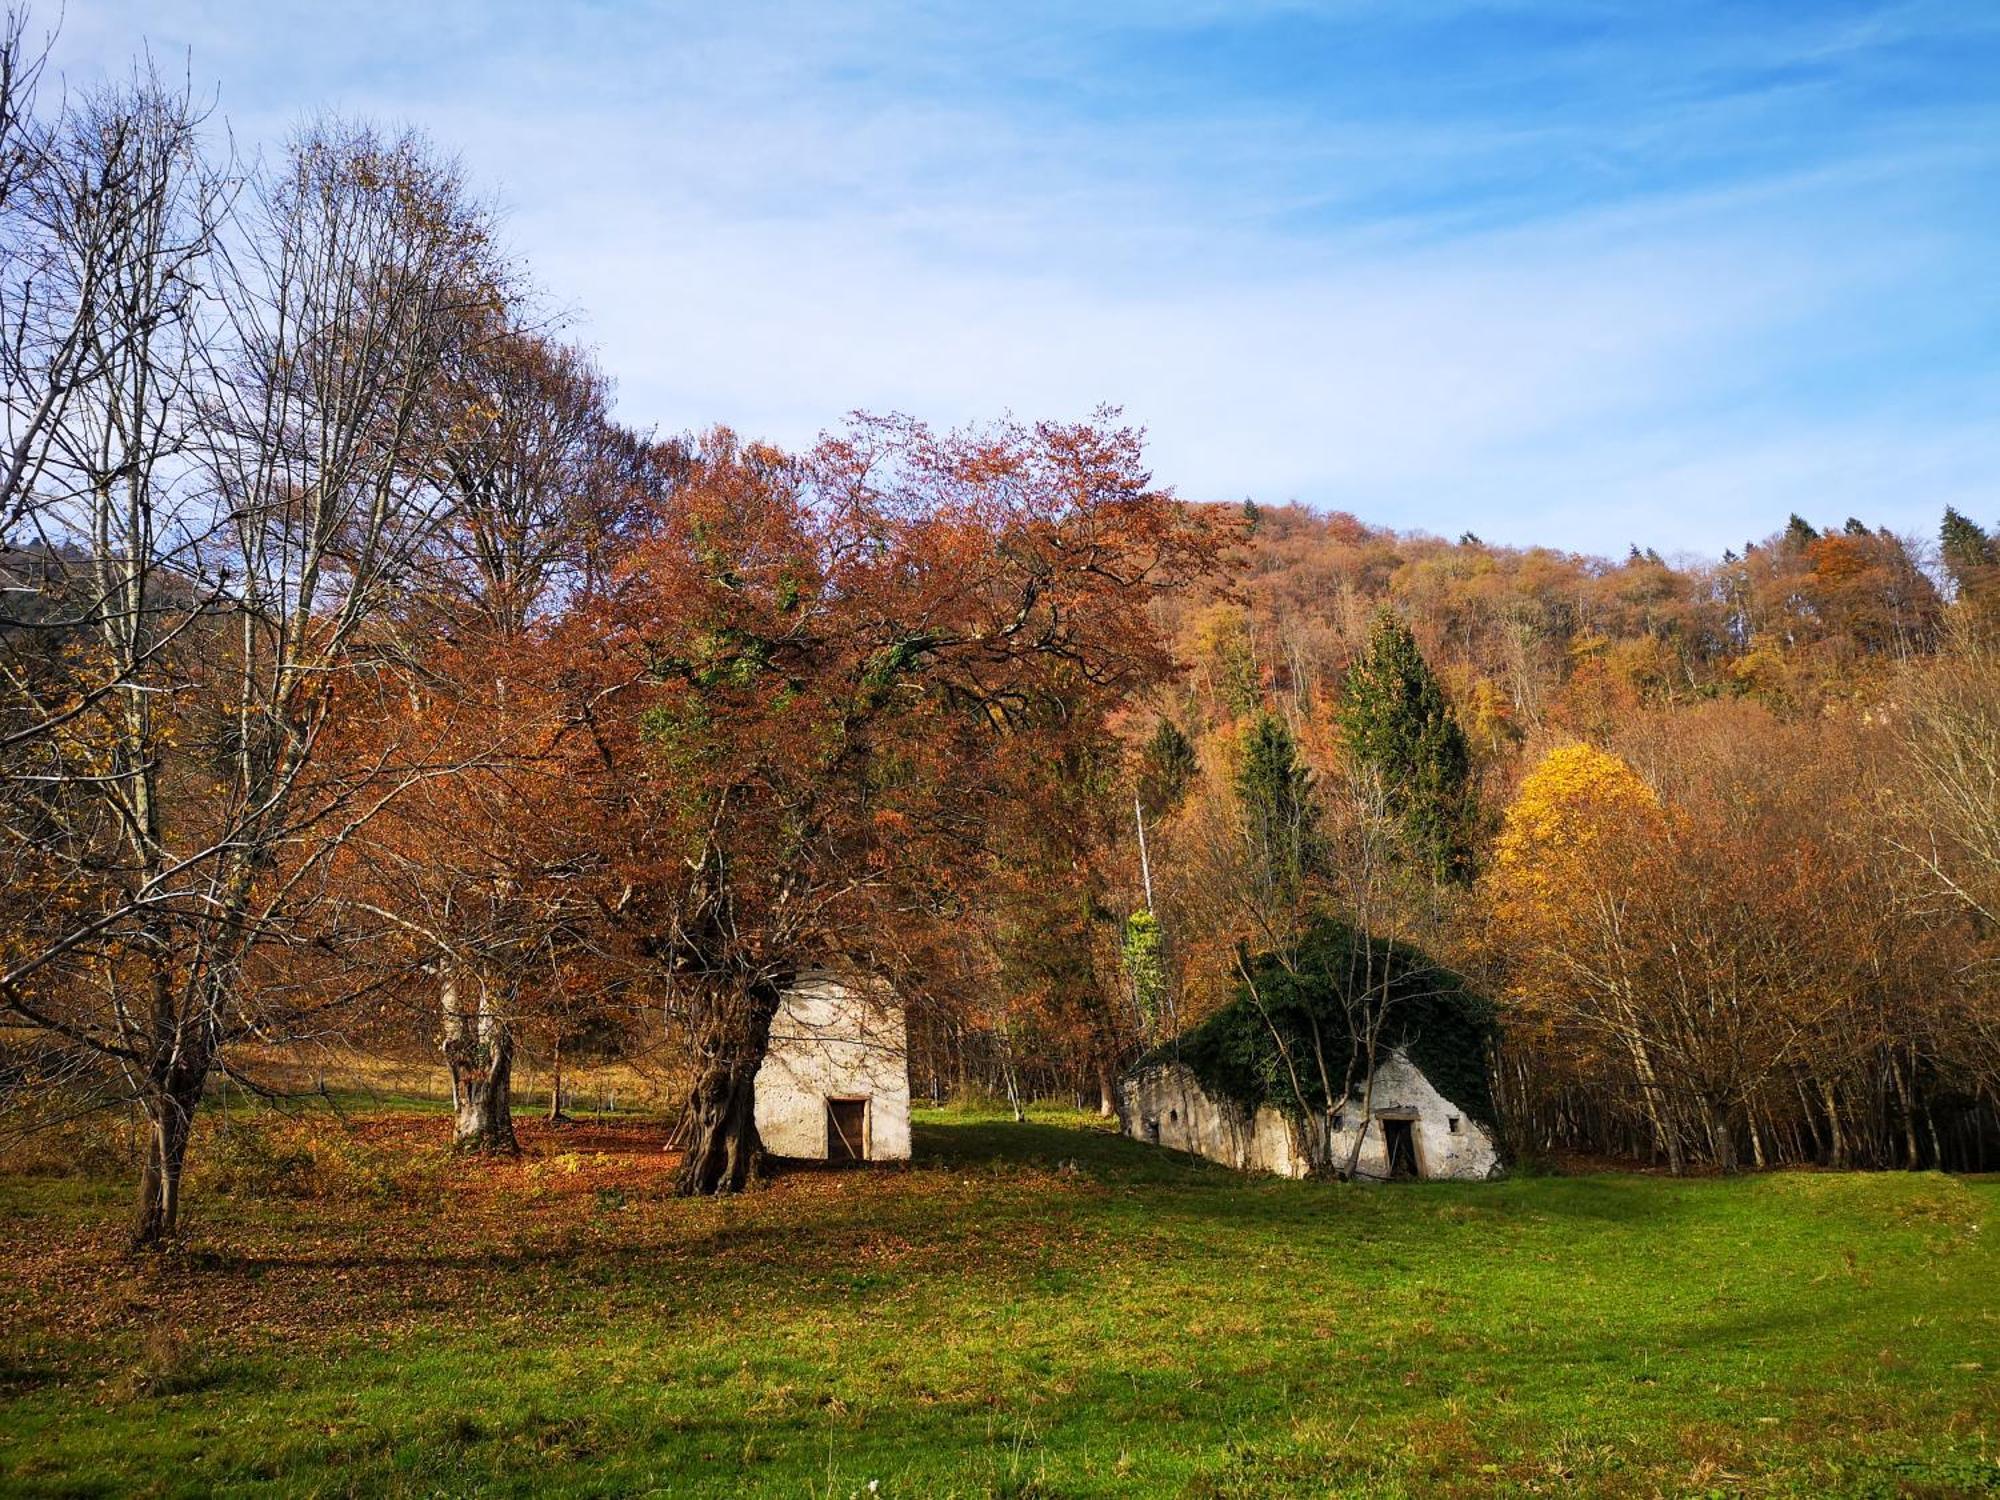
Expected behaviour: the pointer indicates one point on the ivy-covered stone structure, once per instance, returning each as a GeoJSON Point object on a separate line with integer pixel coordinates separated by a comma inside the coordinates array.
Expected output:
{"type": "Point", "coordinates": [1347, 1056]}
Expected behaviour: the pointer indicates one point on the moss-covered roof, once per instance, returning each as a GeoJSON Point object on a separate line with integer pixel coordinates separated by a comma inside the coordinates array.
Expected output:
{"type": "Point", "coordinates": [1330, 977]}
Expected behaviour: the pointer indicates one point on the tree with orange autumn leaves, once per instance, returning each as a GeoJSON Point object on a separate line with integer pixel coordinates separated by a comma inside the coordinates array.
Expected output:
{"type": "Point", "coordinates": [477, 875]}
{"type": "Point", "coordinates": [817, 684]}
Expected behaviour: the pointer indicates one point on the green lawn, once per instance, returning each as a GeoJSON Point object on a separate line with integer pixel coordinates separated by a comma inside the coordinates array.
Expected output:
{"type": "Point", "coordinates": [1039, 1309]}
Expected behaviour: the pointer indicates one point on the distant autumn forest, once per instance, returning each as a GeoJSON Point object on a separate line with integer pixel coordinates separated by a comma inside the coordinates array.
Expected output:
{"type": "Point", "coordinates": [367, 687]}
{"type": "Point", "coordinates": [1726, 844]}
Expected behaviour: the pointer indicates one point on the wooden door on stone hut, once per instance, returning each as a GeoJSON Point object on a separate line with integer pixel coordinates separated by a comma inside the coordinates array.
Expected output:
{"type": "Point", "coordinates": [846, 1130]}
{"type": "Point", "coordinates": [1400, 1136]}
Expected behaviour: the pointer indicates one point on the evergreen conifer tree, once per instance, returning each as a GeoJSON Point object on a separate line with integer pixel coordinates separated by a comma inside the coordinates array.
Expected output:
{"type": "Point", "coordinates": [1966, 547]}
{"type": "Point", "coordinates": [1971, 556]}
{"type": "Point", "coordinates": [1274, 788]}
{"type": "Point", "coordinates": [1166, 768]}
{"type": "Point", "coordinates": [1399, 725]}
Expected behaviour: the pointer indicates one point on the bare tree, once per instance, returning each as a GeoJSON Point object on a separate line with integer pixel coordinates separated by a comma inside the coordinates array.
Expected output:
{"type": "Point", "coordinates": [245, 489]}
{"type": "Point", "coordinates": [47, 299]}
{"type": "Point", "coordinates": [1950, 738]}
{"type": "Point", "coordinates": [128, 214]}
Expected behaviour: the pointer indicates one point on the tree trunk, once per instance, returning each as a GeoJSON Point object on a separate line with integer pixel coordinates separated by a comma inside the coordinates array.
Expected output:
{"type": "Point", "coordinates": [479, 1049]}
{"type": "Point", "coordinates": [1811, 1123]}
{"type": "Point", "coordinates": [1107, 1102]}
{"type": "Point", "coordinates": [1665, 1131]}
{"type": "Point", "coordinates": [169, 1110]}
{"type": "Point", "coordinates": [556, 1115]}
{"type": "Point", "coordinates": [1837, 1155]}
{"type": "Point", "coordinates": [1721, 1139]}
{"type": "Point", "coordinates": [485, 1119]}
{"type": "Point", "coordinates": [1353, 1167]}
{"type": "Point", "coordinates": [1013, 1092]}
{"type": "Point", "coordinates": [1912, 1156]}
{"type": "Point", "coordinates": [721, 1114]}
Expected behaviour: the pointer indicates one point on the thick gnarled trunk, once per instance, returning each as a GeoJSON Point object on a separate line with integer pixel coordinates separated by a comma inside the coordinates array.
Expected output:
{"type": "Point", "coordinates": [479, 1050]}
{"type": "Point", "coordinates": [485, 1076]}
{"type": "Point", "coordinates": [720, 1121]}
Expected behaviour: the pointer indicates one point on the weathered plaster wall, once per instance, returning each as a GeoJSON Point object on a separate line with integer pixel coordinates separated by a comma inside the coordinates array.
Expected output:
{"type": "Point", "coordinates": [1167, 1106]}
{"type": "Point", "coordinates": [1468, 1153]}
{"type": "Point", "coordinates": [835, 1040]}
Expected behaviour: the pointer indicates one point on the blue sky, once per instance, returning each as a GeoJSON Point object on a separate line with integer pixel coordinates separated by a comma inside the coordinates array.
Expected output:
{"type": "Point", "coordinates": [1557, 271]}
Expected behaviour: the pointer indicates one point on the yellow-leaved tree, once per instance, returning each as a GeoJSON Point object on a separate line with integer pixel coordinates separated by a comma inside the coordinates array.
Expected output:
{"type": "Point", "coordinates": [1578, 846]}
{"type": "Point", "coordinates": [1676, 971]}
{"type": "Point", "coordinates": [1567, 830]}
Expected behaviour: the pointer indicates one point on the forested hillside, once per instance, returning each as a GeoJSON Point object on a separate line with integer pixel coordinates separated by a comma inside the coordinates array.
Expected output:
{"type": "Point", "coordinates": [1719, 836]}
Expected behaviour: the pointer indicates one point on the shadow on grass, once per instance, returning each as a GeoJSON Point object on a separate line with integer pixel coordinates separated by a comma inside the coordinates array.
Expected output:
{"type": "Point", "coordinates": [1078, 1143]}
{"type": "Point", "coordinates": [976, 1142]}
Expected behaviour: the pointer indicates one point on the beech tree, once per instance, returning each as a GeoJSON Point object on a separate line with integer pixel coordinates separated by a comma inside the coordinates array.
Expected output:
{"type": "Point", "coordinates": [815, 678]}
{"type": "Point", "coordinates": [1564, 877]}
{"type": "Point", "coordinates": [477, 873]}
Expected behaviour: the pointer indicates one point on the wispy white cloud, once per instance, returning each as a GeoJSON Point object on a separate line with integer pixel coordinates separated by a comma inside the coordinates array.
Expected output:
{"type": "Point", "coordinates": [1545, 318]}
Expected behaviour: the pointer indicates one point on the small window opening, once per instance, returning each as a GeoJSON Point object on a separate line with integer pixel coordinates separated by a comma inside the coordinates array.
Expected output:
{"type": "Point", "coordinates": [1339, 1120]}
{"type": "Point", "coordinates": [1451, 1123]}
{"type": "Point", "coordinates": [1174, 1115]}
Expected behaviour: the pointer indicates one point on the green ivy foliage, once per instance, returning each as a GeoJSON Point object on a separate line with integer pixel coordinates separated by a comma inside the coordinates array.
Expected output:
{"type": "Point", "coordinates": [1143, 951]}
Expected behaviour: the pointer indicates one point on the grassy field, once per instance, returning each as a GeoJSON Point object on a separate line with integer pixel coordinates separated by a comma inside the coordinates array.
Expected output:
{"type": "Point", "coordinates": [1039, 1309]}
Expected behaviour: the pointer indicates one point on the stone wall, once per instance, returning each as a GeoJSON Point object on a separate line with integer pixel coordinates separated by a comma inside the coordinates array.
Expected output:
{"type": "Point", "coordinates": [835, 1039]}
{"type": "Point", "coordinates": [1165, 1105]}
{"type": "Point", "coordinates": [1168, 1107]}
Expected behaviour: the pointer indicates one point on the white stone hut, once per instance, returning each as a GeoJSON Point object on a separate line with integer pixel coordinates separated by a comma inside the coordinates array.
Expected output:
{"type": "Point", "coordinates": [1248, 1087]}
{"type": "Point", "coordinates": [1407, 1128]}
{"type": "Point", "coordinates": [835, 1084]}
